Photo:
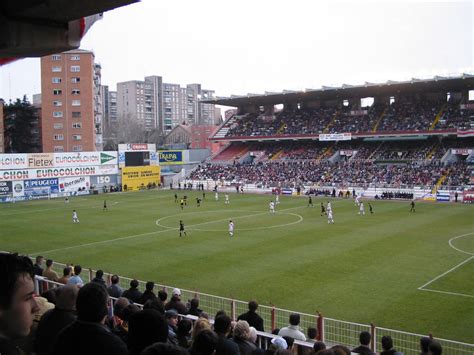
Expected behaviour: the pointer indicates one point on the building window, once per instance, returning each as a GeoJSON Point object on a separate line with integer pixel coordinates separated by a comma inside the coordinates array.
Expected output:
{"type": "Point", "coordinates": [57, 114]}
{"type": "Point", "coordinates": [76, 92]}
{"type": "Point", "coordinates": [57, 103]}
{"type": "Point", "coordinates": [58, 148]}
{"type": "Point", "coordinates": [77, 125]}
{"type": "Point", "coordinates": [76, 114]}
{"type": "Point", "coordinates": [75, 80]}
{"type": "Point", "coordinates": [57, 92]}
{"type": "Point", "coordinates": [77, 148]}
{"type": "Point", "coordinates": [75, 57]}
{"type": "Point", "coordinates": [56, 80]}
{"type": "Point", "coordinates": [75, 68]}
{"type": "Point", "coordinates": [76, 137]}
{"type": "Point", "coordinates": [57, 69]}
{"type": "Point", "coordinates": [76, 102]}
{"type": "Point", "coordinates": [58, 126]}
{"type": "Point", "coordinates": [58, 137]}
{"type": "Point", "coordinates": [56, 57]}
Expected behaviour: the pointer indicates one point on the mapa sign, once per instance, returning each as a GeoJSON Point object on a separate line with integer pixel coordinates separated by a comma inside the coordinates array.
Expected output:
{"type": "Point", "coordinates": [171, 157]}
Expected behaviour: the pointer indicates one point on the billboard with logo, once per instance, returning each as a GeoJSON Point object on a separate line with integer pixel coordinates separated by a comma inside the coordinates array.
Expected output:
{"type": "Point", "coordinates": [139, 177]}
{"type": "Point", "coordinates": [47, 173]}
{"type": "Point", "coordinates": [56, 160]}
{"type": "Point", "coordinates": [169, 157]}
{"type": "Point", "coordinates": [74, 184]}
{"type": "Point", "coordinates": [40, 187]}
{"type": "Point", "coordinates": [5, 188]}
{"type": "Point", "coordinates": [100, 181]}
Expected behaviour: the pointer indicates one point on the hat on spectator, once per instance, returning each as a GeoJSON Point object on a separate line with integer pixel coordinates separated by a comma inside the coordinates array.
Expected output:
{"type": "Point", "coordinates": [280, 342]}
{"type": "Point", "coordinates": [176, 292]}
{"type": "Point", "coordinates": [170, 313]}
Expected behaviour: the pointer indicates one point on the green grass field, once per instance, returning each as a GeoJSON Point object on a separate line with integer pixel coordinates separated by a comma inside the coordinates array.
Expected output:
{"type": "Point", "coordinates": [361, 269]}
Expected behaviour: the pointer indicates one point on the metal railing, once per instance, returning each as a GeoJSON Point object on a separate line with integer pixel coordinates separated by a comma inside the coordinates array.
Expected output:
{"type": "Point", "coordinates": [331, 331]}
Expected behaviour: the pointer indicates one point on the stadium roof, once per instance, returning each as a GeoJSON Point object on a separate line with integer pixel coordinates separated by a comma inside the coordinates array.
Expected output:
{"type": "Point", "coordinates": [390, 88]}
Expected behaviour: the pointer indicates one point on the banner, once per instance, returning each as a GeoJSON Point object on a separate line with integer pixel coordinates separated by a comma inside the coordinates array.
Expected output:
{"type": "Point", "coordinates": [136, 147]}
{"type": "Point", "coordinates": [56, 160]}
{"type": "Point", "coordinates": [168, 157]}
{"type": "Point", "coordinates": [74, 184]}
{"type": "Point", "coordinates": [48, 184]}
{"type": "Point", "coordinates": [31, 174]}
{"type": "Point", "coordinates": [359, 113]}
{"type": "Point", "coordinates": [335, 137]}
{"type": "Point", "coordinates": [5, 188]}
{"type": "Point", "coordinates": [347, 153]}
{"type": "Point", "coordinates": [466, 106]}
{"type": "Point", "coordinates": [13, 161]}
{"type": "Point", "coordinates": [461, 151]}
{"type": "Point", "coordinates": [140, 177]}
{"type": "Point", "coordinates": [99, 181]}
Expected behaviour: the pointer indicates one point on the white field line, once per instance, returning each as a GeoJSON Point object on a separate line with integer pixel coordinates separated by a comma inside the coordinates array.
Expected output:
{"type": "Point", "coordinates": [77, 205]}
{"type": "Point", "coordinates": [124, 238]}
{"type": "Point", "coordinates": [445, 273]}
{"type": "Point", "coordinates": [450, 242]}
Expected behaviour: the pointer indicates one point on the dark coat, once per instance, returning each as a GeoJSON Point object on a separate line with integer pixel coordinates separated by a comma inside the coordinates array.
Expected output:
{"type": "Point", "coordinates": [49, 327]}
{"type": "Point", "coordinates": [133, 294]}
{"type": "Point", "coordinates": [81, 338]}
{"type": "Point", "coordinates": [253, 319]}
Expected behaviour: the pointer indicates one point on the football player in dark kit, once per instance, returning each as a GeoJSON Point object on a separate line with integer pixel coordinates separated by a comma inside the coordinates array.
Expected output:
{"type": "Point", "coordinates": [181, 229]}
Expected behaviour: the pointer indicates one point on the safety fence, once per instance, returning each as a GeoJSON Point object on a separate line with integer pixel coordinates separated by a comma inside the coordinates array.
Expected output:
{"type": "Point", "coordinates": [330, 331]}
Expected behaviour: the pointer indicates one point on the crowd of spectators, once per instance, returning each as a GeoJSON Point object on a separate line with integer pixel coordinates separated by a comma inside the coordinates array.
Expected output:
{"type": "Point", "coordinates": [405, 114]}
{"type": "Point", "coordinates": [78, 320]}
{"type": "Point", "coordinates": [350, 172]}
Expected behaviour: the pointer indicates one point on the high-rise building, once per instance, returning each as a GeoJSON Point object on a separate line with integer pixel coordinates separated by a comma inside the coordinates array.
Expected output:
{"type": "Point", "coordinates": [71, 107]}
{"type": "Point", "coordinates": [109, 110]}
{"type": "Point", "coordinates": [163, 106]}
{"type": "Point", "coordinates": [135, 102]}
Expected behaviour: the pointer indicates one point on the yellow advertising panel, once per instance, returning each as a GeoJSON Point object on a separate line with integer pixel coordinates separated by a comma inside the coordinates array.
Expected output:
{"type": "Point", "coordinates": [140, 177]}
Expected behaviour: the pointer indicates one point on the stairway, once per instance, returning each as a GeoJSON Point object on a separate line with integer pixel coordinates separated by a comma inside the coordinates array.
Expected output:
{"type": "Point", "coordinates": [326, 129]}
{"type": "Point", "coordinates": [438, 117]}
{"type": "Point", "coordinates": [382, 115]}
{"type": "Point", "coordinates": [440, 181]}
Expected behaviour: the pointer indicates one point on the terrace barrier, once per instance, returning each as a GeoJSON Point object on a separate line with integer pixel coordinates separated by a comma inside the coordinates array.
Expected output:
{"type": "Point", "coordinates": [330, 331]}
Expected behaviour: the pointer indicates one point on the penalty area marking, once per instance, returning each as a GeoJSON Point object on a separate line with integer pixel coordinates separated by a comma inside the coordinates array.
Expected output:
{"type": "Point", "coordinates": [450, 242]}
{"type": "Point", "coordinates": [256, 213]}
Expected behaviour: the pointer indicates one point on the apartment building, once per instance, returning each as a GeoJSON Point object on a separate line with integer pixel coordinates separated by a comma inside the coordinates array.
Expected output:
{"type": "Point", "coordinates": [163, 106]}
{"type": "Point", "coordinates": [71, 105]}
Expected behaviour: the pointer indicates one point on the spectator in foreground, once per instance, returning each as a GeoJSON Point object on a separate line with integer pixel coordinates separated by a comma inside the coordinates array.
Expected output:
{"type": "Point", "coordinates": [318, 346]}
{"type": "Point", "coordinates": [99, 278]}
{"type": "Point", "coordinates": [424, 345]}
{"type": "Point", "coordinates": [312, 334]}
{"type": "Point", "coordinates": [49, 273]}
{"type": "Point", "coordinates": [66, 275]}
{"type": "Point", "coordinates": [205, 343]}
{"type": "Point", "coordinates": [293, 330]}
{"type": "Point", "coordinates": [194, 307]}
{"type": "Point", "coordinates": [164, 349]}
{"type": "Point", "coordinates": [92, 312]}
{"type": "Point", "coordinates": [56, 319]}
{"type": "Point", "coordinates": [222, 327]}
{"type": "Point", "coordinates": [364, 347]}
{"type": "Point", "coordinates": [387, 346]}
{"type": "Point", "coordinates": [114, 289]}
{"type": "Point", "coordinates": [435, 348]}
{"type": "Point", "coordinates": [76, 279]}
{"type": "Point", "coordinates": [175, 302]}
{"type": "Point", "coordinates": [17, 304]}
{"type": "Point", "coordinates": [252, 318]}
{"type": "Point", "coordinates": [145, 328]}
{"type": "Point", "coordinates": [148, 294]}
{"type": "Point", "coordinates": [242, 337]}
{"type": "Point", "coordinates": [133, 293]}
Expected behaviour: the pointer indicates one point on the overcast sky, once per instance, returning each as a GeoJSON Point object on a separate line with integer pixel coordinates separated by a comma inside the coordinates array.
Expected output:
{"type": "Point", "coordinates": [252, 46]}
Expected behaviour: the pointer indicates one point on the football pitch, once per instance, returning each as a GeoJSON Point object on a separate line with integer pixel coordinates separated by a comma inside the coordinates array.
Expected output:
{"type": "Point", "coordinates": [399, 270]}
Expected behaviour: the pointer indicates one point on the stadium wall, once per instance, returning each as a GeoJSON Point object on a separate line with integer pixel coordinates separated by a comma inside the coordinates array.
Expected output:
{"type": "Point", "coordinates": [44, 175]}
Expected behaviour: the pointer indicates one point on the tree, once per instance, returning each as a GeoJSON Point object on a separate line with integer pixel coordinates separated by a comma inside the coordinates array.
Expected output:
{"type": "Point", "coordinates": [22, 133]}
